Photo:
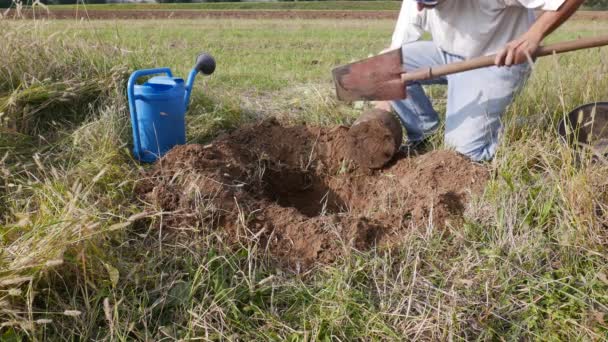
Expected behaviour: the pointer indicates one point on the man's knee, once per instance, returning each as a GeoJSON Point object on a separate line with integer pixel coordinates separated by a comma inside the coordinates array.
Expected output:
{"type": "Point", "coordinates": [476, 137]}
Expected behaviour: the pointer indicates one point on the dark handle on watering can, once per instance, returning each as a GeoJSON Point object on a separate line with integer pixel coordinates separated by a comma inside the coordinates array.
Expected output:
{"type": "Point", "coordinates": [205, 64]}
{"type": "Point", "coordinates": [131, 97]}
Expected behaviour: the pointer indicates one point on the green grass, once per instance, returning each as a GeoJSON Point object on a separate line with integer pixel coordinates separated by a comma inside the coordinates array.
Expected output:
{"type": "Point", "coordinates": [290, 5]}
{"type": "Point", "coordinates": [77, 261]}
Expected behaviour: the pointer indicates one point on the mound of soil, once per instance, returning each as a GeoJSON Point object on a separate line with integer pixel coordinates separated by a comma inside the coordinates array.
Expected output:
{"type": "Point", "coordinates": [295, 191]}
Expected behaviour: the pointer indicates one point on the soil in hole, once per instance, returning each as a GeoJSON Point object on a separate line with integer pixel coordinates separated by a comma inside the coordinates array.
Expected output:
{"type": "Point", "coordinates": [302, 190]}
{"type": "Point", "coordinates": [295, 191]}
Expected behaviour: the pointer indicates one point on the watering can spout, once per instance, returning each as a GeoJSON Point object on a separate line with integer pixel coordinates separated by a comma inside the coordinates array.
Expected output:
{"type": "Point", "coordinates": [205, 64]}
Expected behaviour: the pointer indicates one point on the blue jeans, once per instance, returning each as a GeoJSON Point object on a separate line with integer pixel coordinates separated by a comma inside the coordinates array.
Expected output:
{"type": "Point", "coordinates": [476, 101]}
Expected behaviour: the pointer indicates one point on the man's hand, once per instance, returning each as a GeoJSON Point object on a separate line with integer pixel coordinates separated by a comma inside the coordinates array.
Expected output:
{"type": "Point", "coordinates": [524, 47]}
{"type": "Point", "coordinates": [519, 50]}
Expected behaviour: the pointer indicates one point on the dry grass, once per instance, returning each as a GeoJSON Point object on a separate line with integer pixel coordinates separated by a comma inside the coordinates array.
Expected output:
{"type": "Point", "coordinates": [80, 257]}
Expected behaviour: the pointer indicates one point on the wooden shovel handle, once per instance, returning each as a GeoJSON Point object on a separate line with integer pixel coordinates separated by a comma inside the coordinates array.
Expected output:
{"type": "Point", "coordinates": [427, 73]}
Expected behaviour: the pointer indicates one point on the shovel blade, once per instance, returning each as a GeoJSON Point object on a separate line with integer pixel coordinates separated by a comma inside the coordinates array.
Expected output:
{"type": "Point", "coordinates": [375, 78]}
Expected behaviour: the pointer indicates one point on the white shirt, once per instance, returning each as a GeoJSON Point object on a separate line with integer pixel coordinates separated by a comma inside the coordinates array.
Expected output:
{"type": "Point", "coordinates": [469, 28]}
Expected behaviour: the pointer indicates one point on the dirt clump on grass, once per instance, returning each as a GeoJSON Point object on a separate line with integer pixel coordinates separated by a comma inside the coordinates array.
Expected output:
{"type": "Point", "coordinates": [294, 191]}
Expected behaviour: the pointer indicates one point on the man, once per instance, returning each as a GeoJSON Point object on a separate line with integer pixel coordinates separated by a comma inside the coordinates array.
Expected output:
{"type": "Point", "coordinates": [462, 29]}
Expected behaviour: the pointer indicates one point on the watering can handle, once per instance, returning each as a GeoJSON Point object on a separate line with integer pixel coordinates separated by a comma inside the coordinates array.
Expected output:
{"type": "Point", "coordinates": [205, 64]}
{"type": "Point", "coordinates": [131, 96]}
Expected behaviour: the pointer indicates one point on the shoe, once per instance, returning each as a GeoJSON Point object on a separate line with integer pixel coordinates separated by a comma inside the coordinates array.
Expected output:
{"type": "Point", "coordinates": [415, 147]}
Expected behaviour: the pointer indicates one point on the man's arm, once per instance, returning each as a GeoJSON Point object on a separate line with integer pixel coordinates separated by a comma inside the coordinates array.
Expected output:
{"type": "Point", "coordinates": [410, 25]}
{"type": "Point", "coordinates": [524, 47]}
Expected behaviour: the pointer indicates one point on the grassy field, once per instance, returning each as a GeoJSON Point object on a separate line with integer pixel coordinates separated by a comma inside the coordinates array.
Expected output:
{"type": "Point", "coordinates": [291, 5]}
{"type": "Point", "coordinates": [287, 5]}
{"type": "Point", "coordinates": [77, 261]}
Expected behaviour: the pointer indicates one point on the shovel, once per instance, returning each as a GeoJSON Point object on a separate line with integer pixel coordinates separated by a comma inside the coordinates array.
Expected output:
{"type": "Point", "coordinates": [382, 78]}
{"type": "Point", "coordinates": [586, 129]}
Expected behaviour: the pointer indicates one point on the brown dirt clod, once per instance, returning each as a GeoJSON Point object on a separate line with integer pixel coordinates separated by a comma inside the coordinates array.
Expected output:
{"type": "Point", "coordinates": [374, 138]}
{"type": "Point", "coordinates": [294, 191]}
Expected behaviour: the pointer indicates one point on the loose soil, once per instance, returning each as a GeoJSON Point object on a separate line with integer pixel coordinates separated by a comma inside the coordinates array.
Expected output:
{"type": "Point", "coordinates": [295, 192]}
{"type": "Point", "coordinates": [241, 14]}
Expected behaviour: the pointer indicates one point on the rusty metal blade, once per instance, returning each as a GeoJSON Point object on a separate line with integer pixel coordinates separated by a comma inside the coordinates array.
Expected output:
{"type": "Point", "coordinates": [376, 78]}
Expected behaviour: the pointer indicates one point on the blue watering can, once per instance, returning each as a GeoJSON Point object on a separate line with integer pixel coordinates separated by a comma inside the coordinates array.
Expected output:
{"type": "Point", "coordinates": [158, 109]}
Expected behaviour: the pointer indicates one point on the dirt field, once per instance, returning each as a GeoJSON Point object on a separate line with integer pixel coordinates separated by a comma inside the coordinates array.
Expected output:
{"type": "Point", "coordinates": [294, 191]}
{"type": "Point", "coordinates": [193, 14]}
{"type": "Point", "coordinates": [245, 14]}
